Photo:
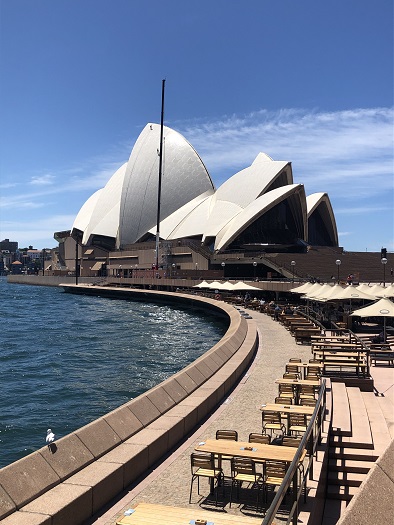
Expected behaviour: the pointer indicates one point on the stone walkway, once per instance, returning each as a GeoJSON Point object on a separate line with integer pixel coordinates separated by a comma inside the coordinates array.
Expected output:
{"type": "Point", "coordinates": [169, 483]}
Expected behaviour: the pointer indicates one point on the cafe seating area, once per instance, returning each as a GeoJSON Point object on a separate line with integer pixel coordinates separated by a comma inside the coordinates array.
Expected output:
{"type": "Point", "coordinates": [256, 467]}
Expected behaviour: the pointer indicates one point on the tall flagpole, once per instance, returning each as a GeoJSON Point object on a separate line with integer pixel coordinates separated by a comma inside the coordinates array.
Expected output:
{"type": "Point", "coordinates": [160, 175]}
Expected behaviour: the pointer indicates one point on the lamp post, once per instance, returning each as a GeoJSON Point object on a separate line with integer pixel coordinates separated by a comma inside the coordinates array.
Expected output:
{"type": "Point", "coordinates": [196, 270]}
{"type": "Point", "coordinates": [254, 270]}
{"type": "Point", "coordinates": [384, 262]}
{"type": "Point", "coordinates": [293, 263]}
{"type": "Point", "coordinates": [120, 271]}
{"type": "Point", "coordinates": [43, 261]}
{"type": "Point", "coordinates": [223, 266]}
{"type": "Point", "coordinates": [173, 266]}
{"type": "Point", "coordinates": [338, 263]}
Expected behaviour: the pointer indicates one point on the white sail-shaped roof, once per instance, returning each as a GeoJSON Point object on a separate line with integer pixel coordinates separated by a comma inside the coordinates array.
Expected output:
{"type": "Point", "coordinates": [184, 178]}
{"type": "Point", "coordinates": [83, 217]}
{"type": "Point", "coordinates": [104, 219]}
{"type": "Point", "coordinates": [257, 208]}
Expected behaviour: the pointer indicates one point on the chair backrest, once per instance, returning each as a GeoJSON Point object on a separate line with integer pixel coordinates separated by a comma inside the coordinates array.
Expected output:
{"type": "Point", "coordinates": [286, 389]}
{"type": "Point", "coordinates": [307, 389]}
{"type": "Point", "coordinates": [292, 369]}
{"type": "Point", "coordinates": [242, 466]}
{"type": "Point", "coordinates": [283, 400]}
{"type": "Point", "coordinates": [295, 360]}
{"type": "Point", "coordinates": [308, 402]}
{"type": "Point", "coordinates": [314, 361]}
{"type": "Point", "coordinates": [201, 460]}
{"type": "Point", "coordinates": [313, 370]}
{"type": "Point", "coordinates": [231, 435]}
{"type": "Point", "coordinates": [254, 437]}
{"type": "Point", "coordinates": [297, 419]}
{"type": "Point", "coordinates": [276, 469]}
{"type": "Point", "coordinates": [291, 441]}
{"type": "Point", "coordinates": [288, 375]}
{"type": "Point", "coordinates": [269, 416]}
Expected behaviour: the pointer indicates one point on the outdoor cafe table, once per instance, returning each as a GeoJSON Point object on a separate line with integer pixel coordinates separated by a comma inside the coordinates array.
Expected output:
{"type": "Point", "coordinates": [297, 383]}
{"type": "Point", "coordinates": [288, 409]}
{"type": "Point", "coordinates": [305, 366]}
{"type": "Point", "coordinates": [154, 514]}
{"type": "Point", "coordinates": [260, 452]}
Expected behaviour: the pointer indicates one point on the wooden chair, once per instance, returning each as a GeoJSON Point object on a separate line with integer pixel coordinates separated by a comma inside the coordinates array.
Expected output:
{"type": "Point", "coordinates": [274, 473]}
{"type": "Point", "coordinates": [203, 466]}
{"type": "Point", "coordinates": [279, 400]}
{"type": "Point", "coordinates": [271, 420]}
{"type": "Point", "coordinates": [293, 369]}
{"type": "Point", "coordinates": [295, 360]}
{"type": "Point", "coordinates": [255, 437]}
{"type": "Point", "coordinates": [286, 391]}
{"type": "Point", "coordinates": [308, 402]}
{"type": "Point", "coordinates": [313, 370]}
{"type": "Point", "coordinates": [297, 424]}
{"type": "Point", "coordinates": [288, 375]}
{"type": "Point", "coordinates": [306, 391]}
{"type": "Point", "coordinates": [230, 435]}
{"type": "Point", "coordinates": [243, 470]}
{"type": "Point", "coordinates": [289, 441]}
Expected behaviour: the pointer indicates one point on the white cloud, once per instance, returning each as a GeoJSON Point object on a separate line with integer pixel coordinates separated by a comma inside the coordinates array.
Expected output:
{"type": "Point", "coordinates": [327, 150]}
{"type": "Point", "coordinates": [42, 180]}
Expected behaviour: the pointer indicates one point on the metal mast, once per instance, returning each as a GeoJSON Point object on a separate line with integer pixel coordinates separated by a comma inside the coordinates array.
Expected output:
{"type": "Point", "coordinates": [160, 175]}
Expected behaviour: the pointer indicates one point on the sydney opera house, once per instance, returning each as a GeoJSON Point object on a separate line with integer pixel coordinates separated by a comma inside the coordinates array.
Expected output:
{"type": "Point", "coordinates": [258, 210]}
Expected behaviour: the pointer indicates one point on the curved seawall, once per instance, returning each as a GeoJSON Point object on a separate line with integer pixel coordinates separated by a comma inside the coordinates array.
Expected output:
{"type": "Point", "coordinates": [87, 468]}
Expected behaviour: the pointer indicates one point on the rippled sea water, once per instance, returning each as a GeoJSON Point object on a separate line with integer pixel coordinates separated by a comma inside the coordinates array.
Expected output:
{"type": "Point", "coordinates": [66, 360]}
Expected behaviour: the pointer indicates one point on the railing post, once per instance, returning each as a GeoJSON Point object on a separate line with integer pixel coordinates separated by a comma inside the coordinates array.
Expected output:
{"type": "Point", "coordinates": [295, 499]}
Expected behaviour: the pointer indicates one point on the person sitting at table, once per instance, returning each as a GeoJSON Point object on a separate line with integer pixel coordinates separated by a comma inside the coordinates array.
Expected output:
{"type": "Point", "coordinates": [379, 338]}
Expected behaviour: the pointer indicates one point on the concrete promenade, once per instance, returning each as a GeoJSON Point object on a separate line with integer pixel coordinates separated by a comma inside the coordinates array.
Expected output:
{"type": "Point", "coordinates": [169, 483]}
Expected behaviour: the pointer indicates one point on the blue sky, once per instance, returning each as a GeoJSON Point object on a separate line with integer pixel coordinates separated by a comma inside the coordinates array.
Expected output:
{"type": "Point", "coordinates": [303, 81]}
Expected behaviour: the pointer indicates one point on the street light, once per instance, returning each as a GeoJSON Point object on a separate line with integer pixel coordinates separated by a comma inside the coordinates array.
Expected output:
{"type": "Point", "coordinates": [254, 269]}
{"type": "Point", "coordinates": [196, 270]}
{"type": "Point", "coordinates": [223, 265]}
{"type": "Point", "coordinates": [384, 262]}
{"type": "Point", "coordinates": [293, 263]}
{"type": "Point", "coordinates": [173, 266]}
{"type": "Point", "coordinates": [338, 263]}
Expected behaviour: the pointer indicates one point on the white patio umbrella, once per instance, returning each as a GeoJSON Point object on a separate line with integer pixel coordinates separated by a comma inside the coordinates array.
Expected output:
{"type": "Point", "coordinates": [301, 289]}
{"type": "Point", "coordinates": [389, 291]}
{"type": "Point", "coordinates": [363, 287]}
{"type": "Point", "coordinates": [216, 285]}
{"type": "Point", "coordinates": [351, 292]}
{"type": "Point", "coordinates": [378, 290]}
{"type": "Point", "coordinates": [318, 293]}
{"type": "Point", "coordinates": [382, 308]}
{"type": "Point", "coordinates": [204, 284]}
{"type": "Point", "coordinates": [243, 286]}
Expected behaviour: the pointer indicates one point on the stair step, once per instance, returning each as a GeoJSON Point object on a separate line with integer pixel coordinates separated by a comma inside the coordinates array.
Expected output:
{"type": "Point", "coordinates": [349, 465]}
{"type": "Point", "coordinates": [386, 407]}
{"type": "Point", "coordinates": [340, 441]}
{"type": "Point", "coordinates": [341, 419]}
{"type": "Point", "coordinates": [379, 429]}
{"type": "Point", "coordinates": [361, 430]}
{"type": "Point", "coordinates": [341, 492]}
{"type": "Point", "coordinates": [355, 454]}
{"type": "Point", "coordinates": [350, 479]}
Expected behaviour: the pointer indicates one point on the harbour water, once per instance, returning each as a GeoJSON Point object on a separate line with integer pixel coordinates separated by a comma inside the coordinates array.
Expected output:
{"type": "Point", "coordinates": [66, 360]}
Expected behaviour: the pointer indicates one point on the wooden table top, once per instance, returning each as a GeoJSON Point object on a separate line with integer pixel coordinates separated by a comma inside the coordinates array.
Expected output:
{"type": "Point", "coordinates": [305, 365]}
{"type": "Point", "coordinates": [152, 514]}
{"type": "Point", "coordinates": [236, 448]}
{"type": "Point", "coordinates": [289, 409]}
{"type": "Point", "coordinates": [329, 354]}
{"type": "Point", "coordinates": [309, 382]}
{"type": "Point", "coordinates": [320, 344]}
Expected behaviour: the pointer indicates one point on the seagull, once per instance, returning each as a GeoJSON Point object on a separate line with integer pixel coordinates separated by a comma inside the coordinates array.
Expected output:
{"type": "Point", "coordinates": [50, 437]}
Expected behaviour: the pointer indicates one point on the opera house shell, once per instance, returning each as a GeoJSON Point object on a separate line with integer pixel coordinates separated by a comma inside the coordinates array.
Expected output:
{"type": "Point", "coordinates": [260, 206]}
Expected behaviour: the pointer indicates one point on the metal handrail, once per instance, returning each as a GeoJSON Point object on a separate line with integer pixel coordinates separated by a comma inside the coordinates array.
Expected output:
{"type": "Point", "coordinates": [291, 474]}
